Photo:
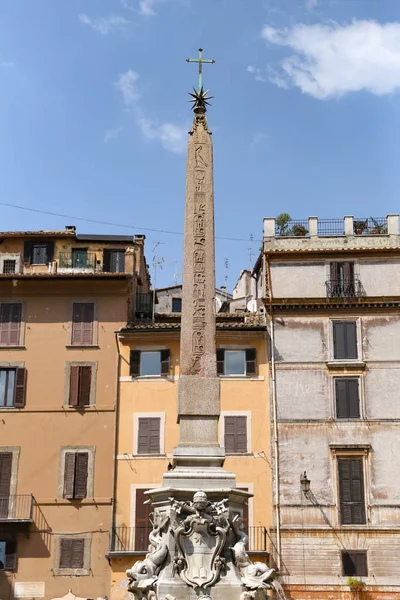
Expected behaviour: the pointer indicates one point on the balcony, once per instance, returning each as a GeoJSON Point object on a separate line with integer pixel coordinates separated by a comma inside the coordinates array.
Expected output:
{"type": "Point", "coordinates": [16, 509]}
{"type": "Point", "coordinates": [74, 262]}
{"type": "Point", "coordinates": [135, 540]}
{"type": "Point", "coordinates": [144, 304]}
{"type": "Point", "coordinates": [344, 288]}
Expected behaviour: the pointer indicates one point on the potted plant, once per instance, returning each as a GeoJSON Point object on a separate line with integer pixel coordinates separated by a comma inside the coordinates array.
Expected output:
{"type": "Point", "coordinates": [282, 224]}
{"type": "Point", "coordinates": [299, 230]}
{"type": "Point", "coordinates": [378, 228]}
{"type": "Point", "coordinates": [360, 226]}
{"type": "Point", "coordinates": [355, 584]}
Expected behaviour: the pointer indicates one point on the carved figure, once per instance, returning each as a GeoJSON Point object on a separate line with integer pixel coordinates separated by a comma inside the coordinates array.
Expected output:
{"type": "Point", "coordinates": [253, 575]}
{"type": "Point", "coordinates": [144, 573]}
{"type": "Point", "coordinates": [200, 539]}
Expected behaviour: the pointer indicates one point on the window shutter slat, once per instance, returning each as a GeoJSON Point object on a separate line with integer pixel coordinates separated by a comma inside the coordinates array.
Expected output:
{"type": "Point", "coordinates": [341, 398]}
{"type": "Point", "coordinates": [251, 364]}
{"type": "Point", "coordinates": [5, 472]}
{"type": "Point", "coordinates": [220, 361]}
{"type": "Point", "coordinates": [87, 331]}
{"type": "Point", "coordinates": [353, 398]}
{"type": "Point", "coordinates": [82, 323]}
{"type": "Point", "coordinates": [69, 474]}
{"type": "Point", "coordinates": [241, 435]}
{"type": "Point", "coordinates": [10, 562]}
{"type": "Point", "coordinates": [351, 491]}
{"type": "Point", "coordinates": [143, 436]}
{"type": "Point", "coordinates": [20, 387]}
{"type": "Point", "coordinates": [230, 431]}
{"type": "Point", "coordinates": [65, 553]}
{"type": "Point", "coordinates": [77, 553]}
{"type": "Point", "coordinates": [77, 323]}
{"type": "Point", "coordinates": [339, 350]}
{"type": "Point", "coordinates": [154, 435]}
{"type": "Point", "coordinates": [351, 340]}
{"type": "Point", "coordinates": [73, 386]}
{"type": "Point", "coordinates": [84, 386]}
{"type": "Point", "coordinates": [81, 474]}
{"type": "Point", "coordinates": [165, 362]}
{"type": "Point", "coordinates": [10, 323]}
{"type": "Point", "coordinates": [134, 364]}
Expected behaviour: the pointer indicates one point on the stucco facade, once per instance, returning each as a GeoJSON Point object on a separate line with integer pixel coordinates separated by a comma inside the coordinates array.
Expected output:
{"type": "Point", "coordinates": [40, 433]}
{"type": "Point", "coordinates": [323, 430]}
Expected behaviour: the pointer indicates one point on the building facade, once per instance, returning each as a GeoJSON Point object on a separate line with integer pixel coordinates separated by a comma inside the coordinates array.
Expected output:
{"type": "Point", "coordinates": [332, 298]}
{"type": "Point", "coordinates": [148, 428]}
{"type": "Point", "coordinates": [169, 300]}
{"type": "Point", "coordinates": [62, 297]}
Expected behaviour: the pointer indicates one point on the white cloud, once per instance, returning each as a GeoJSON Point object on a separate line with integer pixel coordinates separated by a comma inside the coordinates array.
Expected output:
{"type": "Point", "coordinates": [257, 72]}
{"type": "Point", "coordinates": [126, 84]}
{"type": "Point", "coordinates": [7, 64]}
{"type": "Point", "coordinates": [105, 25]}
{"type": "Point", "coordinates": [146, 7]}
{"type": "Point", "coordinates": [310, 4]}
{"type": "Point", "coordinates": [172, 137]}
{"type": "Point", "coordinates": [112, 134]}
{"type": "Point", "coordinates": [332, 60]}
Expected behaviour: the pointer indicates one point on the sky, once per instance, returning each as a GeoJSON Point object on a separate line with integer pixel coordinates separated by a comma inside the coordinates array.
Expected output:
{"type": "Point", "coordinates": [94, 116]}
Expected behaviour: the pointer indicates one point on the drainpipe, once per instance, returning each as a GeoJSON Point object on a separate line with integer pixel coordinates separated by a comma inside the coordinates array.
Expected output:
{"type": "Point", "coordinates": [275, 420]}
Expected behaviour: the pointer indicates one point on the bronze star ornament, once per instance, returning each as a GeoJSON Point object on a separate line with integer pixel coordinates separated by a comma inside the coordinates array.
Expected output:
{"type": "Point", "coordinates": [200, 99]}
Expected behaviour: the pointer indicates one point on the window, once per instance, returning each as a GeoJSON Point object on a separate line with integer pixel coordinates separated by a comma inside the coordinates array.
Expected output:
{"type": "Point", "coordinates": [347, 398]}
{"type": "Point", "coordinates": [149, 364]}
{"type": "Point", "coordinates": [236, 362]}
{"type": "Point", "coordinates": [80, 385]}
{"type": "Point", "coordinates": [176, 305]}
{"type": "Point", "coordinates": [345, 339]}
{"type": "Point", "coordinates": [38, 253]}
{"type": "Point", "coordinates": [351, 491]}
{"type": "Point", "coordinates": [6, 459]}
{"type": "Point", "coordinates": [341, 283]}
{"type": "Point", "coordinates": [235, 435]}
{"type": "Point", "coordinates": [142, 520]}
{"type": "Point", "coordinates": [148, 435]}
{"type": "Point", "coordinates": [10, 324]}
{"type": "Point", "coordinates": [79, 258]}
{"type": "Point", "coordinates": [82, 323]}
{"type": "Point", "coordinates": [72, 552]}
{"type": "Point", "coordinates": [8, 555]}
{"type": "Point", "coordinates": [354, 562]}
{"type": "Point", "coordinates": [76, 475]}
{"type": "Point", "coordinates": [12, 387]}
{"type": "Point", "coordinates": [113, 261]}
{"type": "Point", "coordinates": [9, 266]}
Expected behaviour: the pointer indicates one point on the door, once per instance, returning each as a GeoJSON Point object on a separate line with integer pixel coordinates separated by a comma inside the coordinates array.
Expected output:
{"type": "Point", "coordinates": [142, 521]}
{"type": "Point", "coordinates": [79, 258]}
{"type": "Point", "coordinates": [5, 482]}
{"type": "Point", "coordinates": [117, 261]}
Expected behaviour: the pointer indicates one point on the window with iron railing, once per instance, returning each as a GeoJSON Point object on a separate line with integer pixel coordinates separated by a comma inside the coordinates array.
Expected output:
{"type": "Point", "coordinates": [342, 282]}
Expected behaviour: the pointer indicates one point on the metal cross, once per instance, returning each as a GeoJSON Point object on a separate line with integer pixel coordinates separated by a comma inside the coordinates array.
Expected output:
{"type": "Point", "coordinates": [200, 60]}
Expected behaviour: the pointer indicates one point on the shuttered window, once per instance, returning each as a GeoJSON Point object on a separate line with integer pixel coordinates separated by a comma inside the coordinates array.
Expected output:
{"type": "Point", "coordinates": [237, 362]}
{"type": "Point", "coordinates": [113, 261]}
{"type": "Point", "coordinates": [345, 339]}
{"type": "Point", "coordinates": [82, 323]}
{"type": "Point", "coordinates": [235, 435]}
{"type": "Point", "coordinates": [72, 553]}
{"type": "Point", "coordinates": [79, 385]}
{"type": "Point", "coordinates": [354, 562]}
{"type": "Point", "coordinates": [38, 253]}
{"type": "Point", "coordinates": [347, 398]}
{"type": "Point", "coordinates": [8, 555]}
{"type": "Point", "coordinates": [12, 387]}
{"type": "Point", "coordinates": [351, 491]}
{"type": "Point", "coordinates": [5, 482]}
{"type": "Point", "coordinates": [142, 521]}
{"type": "Point", "coordinates": [149, 435]}
{"type": "Point", "coordinates": [10, 324]}
{"type": "Point", "coordinates": [76, 475]}
{"type": "Point", "coordinates": [150, 364]}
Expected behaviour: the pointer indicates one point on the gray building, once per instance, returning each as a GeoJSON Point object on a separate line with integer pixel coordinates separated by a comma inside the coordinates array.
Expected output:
{"type": "Point", "coordinates": [332, 298]}
{"type": "Point", "coordinates": [169, 300]}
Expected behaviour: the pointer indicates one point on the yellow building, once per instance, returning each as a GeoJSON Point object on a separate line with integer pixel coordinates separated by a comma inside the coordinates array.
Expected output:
{"type": "Point", "coordinates": [148, 430]}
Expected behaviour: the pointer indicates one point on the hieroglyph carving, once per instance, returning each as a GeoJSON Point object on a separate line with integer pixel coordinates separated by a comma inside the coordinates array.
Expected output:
{"type": "Point", "coordinates": [200, 539]}
{"type": "Point", "coordinates": [199, 256]}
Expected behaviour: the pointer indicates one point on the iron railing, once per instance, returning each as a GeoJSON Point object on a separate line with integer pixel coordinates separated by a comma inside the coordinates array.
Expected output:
{"type": "Point", "coordinates": [81, 261]}
{"type": "Point", "coordinates": [126, 540]}
{"type": "Point", "coordinates": [16, 508]}
{"type": "Point", "coordinates": [330, 227]}
{"type": "Point", "coordinates": [344, 288]}
{"type": "Point", "coordinates": [370, 226]}
{"type": "Point", "coordinates": [292, 228]}
{"type": "Point", "coordinates": [144, 303]}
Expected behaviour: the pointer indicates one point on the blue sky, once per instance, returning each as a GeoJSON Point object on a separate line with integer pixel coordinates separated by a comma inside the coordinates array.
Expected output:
{"type": "Point", "coordinates": [94, 118]}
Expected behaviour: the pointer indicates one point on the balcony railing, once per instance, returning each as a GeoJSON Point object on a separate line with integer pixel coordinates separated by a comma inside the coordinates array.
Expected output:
{"type": "Point", "coordinates": [144, 304]}
{"type": "Point", "coordinates": [81, 261]}
{"type": "Point", "coordinates": [344, 288]}
{"type": "Point", "coordinates": [16, 508]}
{"type": "Point", "coordinates": [127, 540]}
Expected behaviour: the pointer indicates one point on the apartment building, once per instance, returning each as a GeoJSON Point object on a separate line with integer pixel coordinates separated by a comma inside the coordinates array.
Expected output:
{"type": "Point", "coordinates": [148, 428]}
{"type": "Point", "coordinates": [62, 297]}
{"type": "Point", "coordinates": [332, 296]}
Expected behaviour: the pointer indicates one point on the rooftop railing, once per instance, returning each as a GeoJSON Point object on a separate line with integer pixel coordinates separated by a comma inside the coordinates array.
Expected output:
{"type": "Point", "coordinates": [16, 508]}
{"type": "Point", "coordinates": [285, 227]}
{"type": "Point", "coordinates": [81, 261]}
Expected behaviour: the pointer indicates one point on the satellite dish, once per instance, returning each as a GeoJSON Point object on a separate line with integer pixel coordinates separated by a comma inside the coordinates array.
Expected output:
{"type": "Point", "coordinates": [218, 304]}
{"type": "Point", "coordinates": [252, 306]}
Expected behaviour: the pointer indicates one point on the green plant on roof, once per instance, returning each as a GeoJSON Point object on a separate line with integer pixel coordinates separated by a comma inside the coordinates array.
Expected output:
{"type": "Point", "coordinates": [299, 229]}
{"type": "Point", "coordinates": [378, 228]}
{"type": "Point", "coordinates": [355, 584]}
{"type": "Point", "coordinates": [282, 224]}
{"type": "Point", "coordinates": [360, 226]}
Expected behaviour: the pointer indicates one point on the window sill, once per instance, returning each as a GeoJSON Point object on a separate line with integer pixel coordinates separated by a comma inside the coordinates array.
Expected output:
{"type": "Point", "coordinates": [358, 365]}
{"type": "Point", "coordinates": [81, 346]}
{"type": "Point", "coordinates": [242, 377]}
{"type": "Point", "coordinates": [17, 347]}
{"type": "Point", "coordinates": [238, 454]}
{"type": "Point", "coordinates": [70, 572]}
{"type": "Point", "coordinates": [151, 378]}
{"type": "Point", "coordinates": [148, 456]}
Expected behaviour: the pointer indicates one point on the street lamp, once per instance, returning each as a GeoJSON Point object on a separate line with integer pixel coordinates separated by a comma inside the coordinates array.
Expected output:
{"type": "Point", "coordinates": [305, 483]}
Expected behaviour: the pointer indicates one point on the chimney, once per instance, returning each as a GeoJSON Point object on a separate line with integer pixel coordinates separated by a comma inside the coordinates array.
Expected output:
{"type": "Point", "coordinates": [70, 228]}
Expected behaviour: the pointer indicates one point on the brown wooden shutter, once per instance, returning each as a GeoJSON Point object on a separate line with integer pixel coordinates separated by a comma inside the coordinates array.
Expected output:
{"type": "Point", "coordinates": [85, 379]}
{"type": "Point", "coordinates": [165, 362]}
{"type": "Point", "coordinates": [345, 339]}
{"type": "Point", "coordinates": [77, 326]}
{"type": "Point", "coordinates": [28, 251]}
{"type": "Point", "coordinates": [154, 435]}
{"type": "Point", "coordinates": [65, 553]}
{"type": "Point", "coordinates": [229, 440]}
{"type": "Point", "coordinates": [88, 317]}
{"type": "Point", "coordinates": [142, 521]}
{"type": "Point", "coordinates": [347, 398]}
{"type": "Point", "coordinates": [339, 345]}
{"type": "Point", "coordinates": [361, 564]}
{"type": "Point", "coordinates": [149, 435]}
{"type": "Point", "coordinates": [106, 261]}
{"type": "Point", "coordinates": [220, 361]}
{"type": "Point", "coordinates": [241, 434]}
{"type": "Point", "coordinates": [134, 364]}
{"type": "Point", "coordinates": [81, 474]}
{"type": "Point", "coordinates": [351, 491]}
{"type": "Point", "coordinates": [251, 363]}
{"type": "Point", "coordinates": [20, 387]}
{"type": "Point", "coordinates": [82, 323]}
{"type": "Point", "coordinates": [5, 472]}
{"type": "Point", "coordinates": [353, 399]}
{"type": "Point", "coordinates": [77, 553]}
{"type": "Point", "coordinates": [69, 474]}
{"type": "Point", "coordinates": [10, 323]}
{"type": "Point", "coordinates": [10, 562]}
{"type": "Point", "coordinates": [74, 386]}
